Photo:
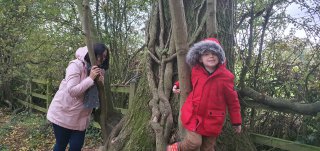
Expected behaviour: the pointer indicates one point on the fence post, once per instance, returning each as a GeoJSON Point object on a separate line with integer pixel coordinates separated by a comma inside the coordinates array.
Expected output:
{"type": "Point", "coordinates": [131, 93]}
{"type": "Point", "coordinates": [29, 93]}
{"type": "Point", "coordinates": [49, 86]}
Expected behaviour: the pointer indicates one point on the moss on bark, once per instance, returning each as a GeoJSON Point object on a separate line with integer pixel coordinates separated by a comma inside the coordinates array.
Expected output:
{"type": "Point", "coordinates": [142, 136]}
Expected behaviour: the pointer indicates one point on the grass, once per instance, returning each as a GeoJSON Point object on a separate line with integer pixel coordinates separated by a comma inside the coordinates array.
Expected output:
{"type": "Point", "coordinates": [27, 131]}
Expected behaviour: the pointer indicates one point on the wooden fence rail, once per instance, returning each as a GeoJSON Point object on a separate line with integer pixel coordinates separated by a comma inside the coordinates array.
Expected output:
{"type": "Point", "coordinates": [46, 96]}
{"type": "Point", "coordinates": [29, 93]}
{"type": "Point", "coordinates": [281, 143]}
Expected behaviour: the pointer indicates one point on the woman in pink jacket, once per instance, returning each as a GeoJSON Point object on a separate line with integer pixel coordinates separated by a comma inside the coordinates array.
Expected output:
{"type": "Point", "coordinates": [203, 113]}
{"type": "Point", "coordinates": [67, 112]}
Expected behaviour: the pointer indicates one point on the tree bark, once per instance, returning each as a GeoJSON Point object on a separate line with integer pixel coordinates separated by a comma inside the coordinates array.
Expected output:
{"type": "Point", "coordinates": [88, 27]}
{"type": "Point", "coordinates": [180, 38]}
{"type": "Point", "coordinates": [225, 23]}
{"type": "Point", "coordinates": [212, 29]}
{"type": "Point", "coordinates": [91, 27]}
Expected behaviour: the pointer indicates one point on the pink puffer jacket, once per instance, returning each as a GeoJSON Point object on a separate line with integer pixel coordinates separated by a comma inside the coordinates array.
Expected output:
{"type": "Point", "coordinates": [66, 108]}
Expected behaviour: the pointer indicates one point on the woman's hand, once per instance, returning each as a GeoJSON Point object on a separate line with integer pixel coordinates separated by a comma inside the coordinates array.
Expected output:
{"type": "Point", "coordinates": [101, 78]}
{"type": "Point", "coordinates": [94, 72]}
{"type": "Point", "coordinates": [175, 89]}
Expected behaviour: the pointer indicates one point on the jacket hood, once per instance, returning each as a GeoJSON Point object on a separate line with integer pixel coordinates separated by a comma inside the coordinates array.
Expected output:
{"type": "Point", "coordinates": [209, 44]}
{"type": "Point", "coordinates": [81, 53]}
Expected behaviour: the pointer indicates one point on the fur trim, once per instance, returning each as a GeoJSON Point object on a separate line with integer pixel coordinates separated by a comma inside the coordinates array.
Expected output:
{"type": "Point", "coordinates": [199, 48]}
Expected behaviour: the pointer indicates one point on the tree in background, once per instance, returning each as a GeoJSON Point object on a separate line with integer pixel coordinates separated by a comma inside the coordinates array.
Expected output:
{"type": "Point", "coordinates": [278, 67]}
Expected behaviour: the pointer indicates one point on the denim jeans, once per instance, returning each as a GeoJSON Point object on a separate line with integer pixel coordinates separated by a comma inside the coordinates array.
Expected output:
{"type": "Point", "coordinates": [65, 136]}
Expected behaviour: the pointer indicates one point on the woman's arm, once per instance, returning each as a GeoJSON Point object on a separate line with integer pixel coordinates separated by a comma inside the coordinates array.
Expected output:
{"type": "Point", "coordinates": [75, 86]}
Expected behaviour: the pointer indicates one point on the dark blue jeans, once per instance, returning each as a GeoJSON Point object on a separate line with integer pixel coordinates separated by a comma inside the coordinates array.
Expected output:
{"type": "Point", "coordinates": [65, 136]}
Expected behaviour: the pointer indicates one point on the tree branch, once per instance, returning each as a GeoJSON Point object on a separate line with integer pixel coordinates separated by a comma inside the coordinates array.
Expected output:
{"type": "Point", "coordinates": [257, 14]}
{"type": "Point", "coordinates": [198, 31]}
{"type": "Point", "coordinates": [154, 57]}
{"type": "Point", "coordinates": [170, 58]}
{"type": "Point", "coordinates": [247, 61]}
{"type": "Point", "coordinates": [282, 105]}
{"type": "Point", "coordinates": [161, 25]}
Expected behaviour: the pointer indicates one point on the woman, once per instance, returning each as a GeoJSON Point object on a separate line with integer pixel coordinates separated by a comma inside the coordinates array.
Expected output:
{"type": "Point", "coordinates": [67, 112]}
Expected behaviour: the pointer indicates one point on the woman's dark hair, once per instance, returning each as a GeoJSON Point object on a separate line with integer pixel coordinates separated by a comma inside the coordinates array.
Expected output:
{"type": "Point", "coordinates": [99, 49]}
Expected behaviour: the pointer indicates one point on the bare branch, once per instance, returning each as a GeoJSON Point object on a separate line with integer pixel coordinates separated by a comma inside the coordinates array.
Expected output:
{"type": "Point", "coordinates": [161, 25]}
{"type": "Point", "coordinates": [199, 10]}
{"type": "Point", "coordinates": [257, 14]}
{"type": "Point", "coordinates": [198, 31]}
{"type": "Point", "coordinates": [282, 105]}
{"type": "Point", "coordinates": [170, 58]}
{"type": "Point", "coordinates": [154, 57]}
{"type": "Point", "coordinates": [247, 61]}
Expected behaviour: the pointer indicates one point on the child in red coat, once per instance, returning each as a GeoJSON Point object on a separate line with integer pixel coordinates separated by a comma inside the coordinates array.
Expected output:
{"type": "Point", "coordinates": [203, 113]}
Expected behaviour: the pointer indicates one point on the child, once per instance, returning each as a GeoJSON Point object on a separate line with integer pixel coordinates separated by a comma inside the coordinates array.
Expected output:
{"type": "Point", "coordinates": [203, 113]}
{"type": "Point", "coordinates": [67, 112]}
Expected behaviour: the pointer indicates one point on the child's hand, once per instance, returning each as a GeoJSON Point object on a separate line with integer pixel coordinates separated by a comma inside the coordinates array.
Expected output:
{"type": "Point", "coordinates": [175, 89]}
{"type": "Point", "coordinates": [237, 129]}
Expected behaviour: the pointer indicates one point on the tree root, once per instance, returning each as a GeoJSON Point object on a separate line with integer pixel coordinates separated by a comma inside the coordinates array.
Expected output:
{"type": "Point", "coordinates": [18, 110]}
{"type": "Point", "coordinates": [116, 140]}
{"type": "Point", "coordinates": [10, 106]}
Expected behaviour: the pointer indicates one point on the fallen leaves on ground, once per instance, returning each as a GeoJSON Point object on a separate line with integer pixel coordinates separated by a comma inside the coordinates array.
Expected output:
{"type": "Point", "coordinates": [31, 131]}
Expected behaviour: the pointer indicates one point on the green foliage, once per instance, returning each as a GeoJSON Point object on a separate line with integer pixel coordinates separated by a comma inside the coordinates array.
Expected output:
{"type": "Point", "coordinates": [93, 137]}
{"type": "Point", "coordinates": [123, 26]}
{"type": "Point", "coordinates": [311, 133]}
{"type": "Point", "coordinates": [288, 68]}
{"type": "Point", "coordinates": [235, 142]}
{"type": "Point", "coordinates": [38, 38]}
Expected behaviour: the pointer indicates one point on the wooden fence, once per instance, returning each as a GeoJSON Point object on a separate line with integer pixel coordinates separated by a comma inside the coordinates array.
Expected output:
{"type": "Point", "coordinates": [29, 92]}
{"type": "Point", "coordinates": [281, 143]}
{"type": "Point", "coordinates": [47, 96]}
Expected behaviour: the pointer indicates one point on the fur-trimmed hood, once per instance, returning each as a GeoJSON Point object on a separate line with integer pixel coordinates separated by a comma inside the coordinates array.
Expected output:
{"type": "Point", "coordinates": [209, 44]}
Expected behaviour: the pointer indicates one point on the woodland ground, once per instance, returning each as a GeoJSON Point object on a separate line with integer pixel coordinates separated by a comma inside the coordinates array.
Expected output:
{"type": "Point", "coordinates": [30, 131]}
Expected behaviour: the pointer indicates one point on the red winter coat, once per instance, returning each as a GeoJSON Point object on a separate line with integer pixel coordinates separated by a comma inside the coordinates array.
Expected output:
{"type": "Point", "coordinates": [204, 111]}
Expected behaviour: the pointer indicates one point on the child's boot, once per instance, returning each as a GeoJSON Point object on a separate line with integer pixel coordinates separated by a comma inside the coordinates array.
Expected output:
{"type": "Point", "coordinates": [173, 147]}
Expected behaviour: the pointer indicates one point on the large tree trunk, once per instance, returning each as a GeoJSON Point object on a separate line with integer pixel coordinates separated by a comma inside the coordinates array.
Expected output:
{"type": "Point", "coordinates": [212, 29]}
{"type": "Point", "coordinates": [152, 122]}
{"type": "Point", "coordinates": [225, 21]}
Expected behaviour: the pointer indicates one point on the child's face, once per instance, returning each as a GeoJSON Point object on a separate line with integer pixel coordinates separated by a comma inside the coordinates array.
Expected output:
{"type": "Point", "coordinates": [209, 60]}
